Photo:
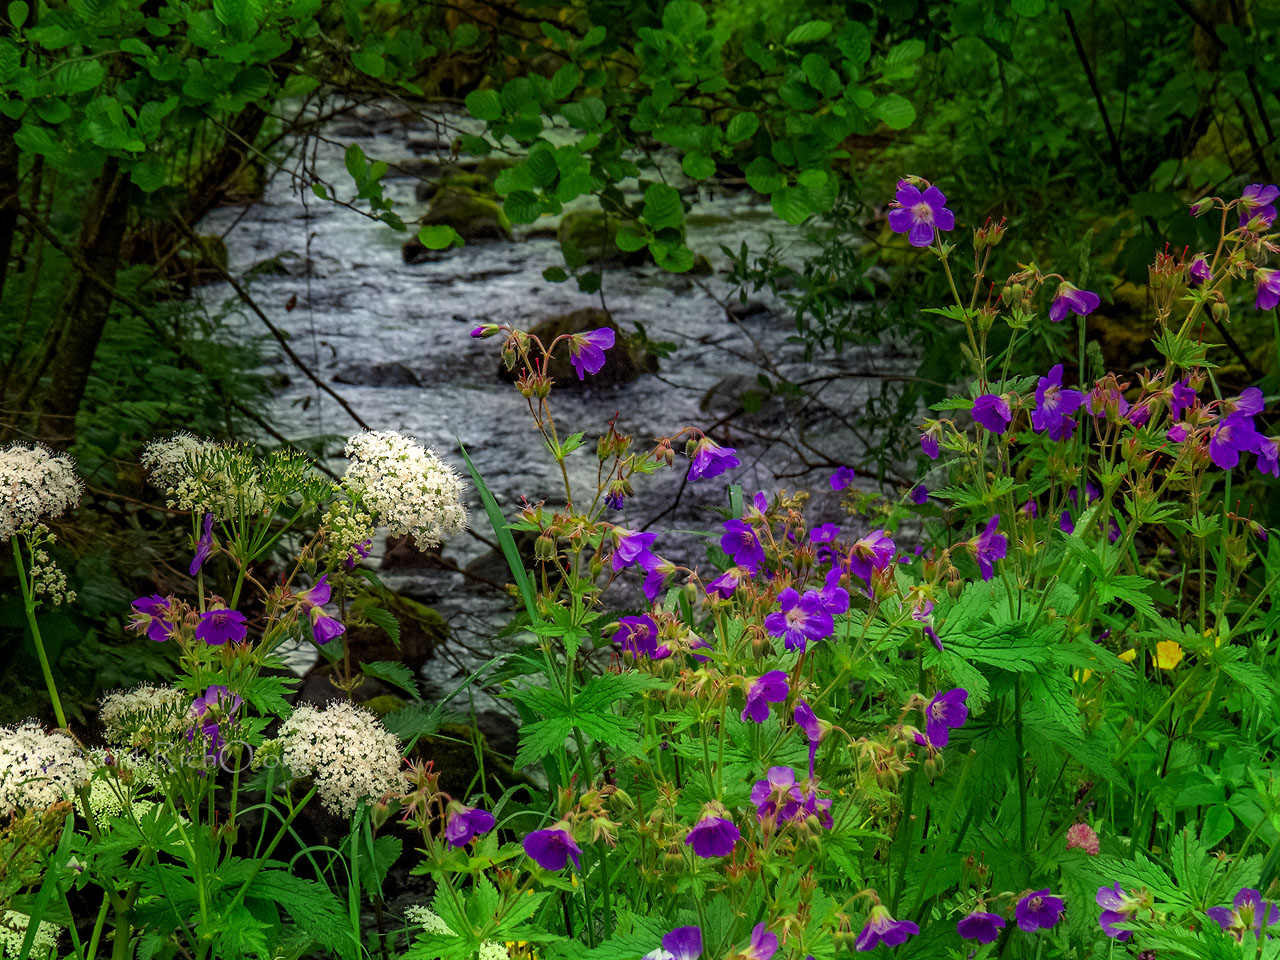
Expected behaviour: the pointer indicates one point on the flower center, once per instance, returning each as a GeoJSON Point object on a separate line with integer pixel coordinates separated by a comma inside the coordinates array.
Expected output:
{"type": "Point", "coordinates": [922, 213]}
{"type": "Point", "coordinates": [1036, 904]}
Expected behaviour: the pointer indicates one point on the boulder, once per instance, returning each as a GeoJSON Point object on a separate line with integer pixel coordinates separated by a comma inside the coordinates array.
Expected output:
{"type": "Point", "coordinates": [461, 179]}
{"type": "Point", "coordinates": [379, 374]}
{"type": "Point", "coordinates": [402, 553]}
{"type": "Point", "coordinates": [422, 629]}
{"type": "Point", "coordinates": [593, 232]}
{"type": "Point", "coordinates": [473, 216]}
{"type": "Point", "coordinates": [624, 363]}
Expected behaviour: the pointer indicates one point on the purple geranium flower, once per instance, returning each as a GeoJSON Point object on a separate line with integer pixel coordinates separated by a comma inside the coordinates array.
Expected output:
{"type": "Point", "coordinates": [763, 944]}
{"type": "Point", "coordinates": [771, 687]}
{"type": "Point", "coordinates": [586, 350]}
{"type": "Point", "coordinates": [834, 598]}
{"type": "Point", "coordinates": [1054, 406]}
{"type": "Point", "coordinates": [204, 546]}
{"type": "Point", "coordinates": [323, 627]}
{"type": "Point", "coordinates": [1269, 455]}
{"type": "Point", "coordinates": [741, 543]}
{"type": "Point", "coordinates": [1198, 270]}
{"type": "Point", "coordinates": [1183, 397]}
{"type": "Point", "coordinates": [1038, 911]}
{"type": "Point", "coordinates": [1251, 913]}
{"type": "Point", "coordinates": [216, 705]}
{"type": "Point", "coordinates": [992, 411]}
{"type": "Point", "coordinates": [639, 638]}
{"type": "Point", "coordinates": [871, 553]}
{"type": "Point", "coordinates": [825, 533]}
{"type": "Point", "coordinates": [631, 547]}
{"type": "Point", "coordinates": [724, 585]}
{"type": "Point", "coordinates": [800, 620]}
{"type": "Point", "coordinates": [808, 722]}
{"type": "Point", "coordinates": [466, 822]}
{"type": "Point", "coordinates": [779, 783]}
{"type": "Point", "coordinates": [1030, 509]}
{"type": "Point", "coordinates": [1071, 298]}
{"type": "Point", "coordinates": [882, 928]}
{"type": "Point", "coordinates": [1268, 288]}
{"type": "Point", "coordinates": [923, 615]}
{"type": "Point", "coordinates": [929, 439]}
{"type": "Point", "coordinates": [656, 573]}
{"type": "Point", "coordinates": [219, 625]}
{"type": "Point", "coordinates": [917, 214]}
{"type": "Point", "coordinates": [980, 926]}
{"type": "Point", "coordinates": [1117, 907]}
{"type": "Point", "coordinates": [151, 614]}
{"type": "Point", "coordinates": [1234, 434]}
{"type": "Point", "coordinates": [920, 494]}
{"type": "Point", "coordinates": [1065, 523]}
{"type": "Point", "coordinates": [710, 460]}
{"type": "Point", "coordinates": [945, 712]}
{"type": "Point", "coordinates": [842, 478]}
{"type": "Point", "coordinates": [713, 837]}
{"type": "Point", "coordinates": [552, 849]}
{"type": "Point", "coordinates": [988, 547]}
{"type": "Point", "coordinates": [1258, 200]}
{"type": "Point", "coordinates": [360, 550]}
{"type": "Point", "coordinates": [683, 943]}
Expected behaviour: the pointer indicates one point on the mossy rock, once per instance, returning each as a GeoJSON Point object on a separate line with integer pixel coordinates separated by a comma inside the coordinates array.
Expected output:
{"type": "Point", "coordinates": [594, 233]}
{"type": "Point", "coordinates": [477, 183]}
{"type": "Point", "coordinates": [701, 267]}
{"type": "Point", "coordinates": [422, 630]}
{"type": "Point", "coordinates": [624, 363]}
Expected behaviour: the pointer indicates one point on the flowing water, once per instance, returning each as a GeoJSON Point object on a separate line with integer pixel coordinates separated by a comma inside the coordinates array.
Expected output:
{"type": "Point", "coordinates": [357, 305]}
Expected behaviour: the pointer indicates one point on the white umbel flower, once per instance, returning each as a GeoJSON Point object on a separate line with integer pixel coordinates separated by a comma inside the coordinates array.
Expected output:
{"type": "Point", "coordinates": [13, 930]}
{"type": "Point", "coordinates": [38, 769]}
{"type": "Point", "coordinates": [205, 477]}
{"type": "Point", "coordinates": [146, 714]}
{"type": "Point", "coordinates": [431, 922]}
{"type": "Point", "coordinates": [34, 482]}
{"type": "Point", "coordinates": [346, 749]}
{"type": "Point", "coordinates": [409, 488]}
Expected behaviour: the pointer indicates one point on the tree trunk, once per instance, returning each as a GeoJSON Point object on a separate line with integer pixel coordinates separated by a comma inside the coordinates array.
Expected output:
{"type": "Point", "coordinates": [86, 307]}
{"type": "Point", "coordinates": [8, 193]}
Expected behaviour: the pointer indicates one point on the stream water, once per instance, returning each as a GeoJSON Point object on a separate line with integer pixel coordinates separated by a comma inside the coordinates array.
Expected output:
{"type": "Point", "coordinates": [358, 305]}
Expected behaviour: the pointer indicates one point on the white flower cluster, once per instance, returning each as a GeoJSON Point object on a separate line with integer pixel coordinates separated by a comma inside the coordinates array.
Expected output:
{"type": "Point", "coordinates": [408, 487]}
{"type": "Point", "coordinates": [205, 477]}
{"type": "Point", "coordinates": [34, 482]}
{"type": "Point", "coordinates": [346, 749]}
{"type": "Point", "coordinates": [107, 799]}
{"type": "Point", "coordinates": [38, 769]}
{"type": "Point", "coordinates": [47, 579]}
{"type": "Point", "coordinates": [144, 715]}
{"type": "Point", "coordinates": [347, 526]}
{"type": "Point", "coordinates": [13, 930]}
{"type": "Point", "coordinates": [432, 922]}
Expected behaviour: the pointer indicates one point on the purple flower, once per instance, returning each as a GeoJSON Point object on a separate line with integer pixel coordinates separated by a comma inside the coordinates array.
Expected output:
{"type": "Point", "coordinates": [1250, 401]}
{"type": "Point", "coordinates": [683, 943]}
{"type": "Point", "coordinates": [657, 571]}
{"type": "Point", "coordinates": [1054, 406]}
{"type": "Point", "coordinates": [218, 697]}
{"type": "Point", "coordinates": [801, 619]}
{"type": "Point", "coordinates": [833, 598]}
{"type": "Point", "coordinates": [614, 499]}
{"type": "Point", "coordinates": [871, 553]}
{"type": "Point", "coordinates": [923, 615]}
{"type": "Point", "coordinates": [1178, 433]}
{"type": "Point", "coordinates": [1038, 911]}
{"type": "Point", "coordinates": [808, 721]}
{"type": "Point", "coordinates": [1233, 435]}
{"type": "Point", "coordinates": [1117, 907]}
{"type": "Point", "coordinates": [842, 478]}
{"type": "Point", "coordinates": [631, 547]}
{"type": "Point", "coordinates": [1065, 523]}
{"type": "Point", "coordinates": [1268, 451]}
{"type": "Point", "coordinates": [882, 928]}
{"type": "Point", "coordinates": [988, 547]}
{"type": "Point", "coordinates": [983, 927]}
{"type": "Point", "coordinates": [216, 705]}
{"type": "Point", "coordinates": [639, 638]}
{"type": "Point", "coordinates": [992, 411]}
{"type": "Point", "coordinates": [1198, 271]}
{"type": "Point", "coordinates": [204, 546]}
{"type": "Point", "coordinates": [713, 837]}
{"type": "Point", "coordinates": [1258, 201]}
{"type": "Point", "coordinates": [929, 439]}
{"type": "Point", "coordinates": [945, 712]}
{"type": "Point", "coordinates": [825, 533]}
{"type": "Point", "coordinates": [710, 460]}
{"type": "Point", "coordinates": [763, 944]}
{"type": "Point", "coordinates": [360, 550]}
{"type": "Point", "coordinates": [552, 849]}
{"type": "Point", "coordinates": [1030, 509]}
{"type": "Point", "coordinates": [323, 627]}
{"type": "Point", "coordinates": [151, 614]}
{"type": "Point", "coordinates": [586, 350]}
{"type": "Point", "coordinates": [724, 585]}
{"type": "Point", "coordinates": [917, 214]}
{"type": "Point", "coordinates": [1071, 298]}
{"type": "Point", "coordinates": [771, 687]}
{"type": "Point", "coordinates": [779, 783]}
{"type": "Point", "coordinates": [1251, 913]}
{"type": "Point", "coordinates": [1268, 288]}
{"type": "Point", "coordinates": [465, 823]}
{"type": "Point", "coordinates": [920, 494]}
{"type": "Point", "coordinates": [218, 626]}
{"type": "Point", "coordinates": [741, 543]}
{"type": "Point", "coordinates": [1183, 397]}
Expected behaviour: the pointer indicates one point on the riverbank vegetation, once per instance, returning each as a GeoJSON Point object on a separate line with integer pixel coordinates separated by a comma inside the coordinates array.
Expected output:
{"type": "Point", "coordinates": [1020, 701]}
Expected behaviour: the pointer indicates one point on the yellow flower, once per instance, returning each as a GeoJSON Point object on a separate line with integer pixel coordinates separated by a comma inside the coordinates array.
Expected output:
{"type": "Point", "coordinates": [1129, 655]}
{"type": "Point", "coordinates": [1082, 676]}
{"type": "Point", "coordinates": [1168, 655]}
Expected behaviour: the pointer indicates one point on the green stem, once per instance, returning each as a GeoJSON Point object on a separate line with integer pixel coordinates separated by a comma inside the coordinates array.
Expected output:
{"type": "Point", "coordinates": [1022, 764]}
{"type": "Point", "coordinates": [29, 604]}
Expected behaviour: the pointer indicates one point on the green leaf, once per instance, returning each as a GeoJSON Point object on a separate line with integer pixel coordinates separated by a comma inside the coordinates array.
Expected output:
{"type": "Point", "coordinates": [684, 18]}
{"type": "Point", "coordinates": [566, 80]}
{"type": "Point", "coordinates": [741, 127]}
{"type": "Point", "coordinates": [311, 906]}
{"type": "Point", "coordinates": [484, 104]}
{"type": "Point", "coordinates": [319, 190]}
{"type": "Point", "coordinates": [763, 175]}
{"type": "Point", "coordinates": [629, 240]}
{"type": "Point", "coordinates": [465, 35]}
{"type": "Point", "coordinates": [237, 13]}
{"type": "Point", "coordinates": [808, 32]}
{"type": "Point", "coordinates": [18, 12]}
{"type": "Point", "coordinates": [34, 139]}
{"type": "Point", "coordinates": [522, 206]}
{"type": "Point", "coordinates": [662, 207]}
{"type": "Point", "coordinates": [584, 114]}
{"type": "Point", "coordinates": [791, 204]}
{"type": "Point", "coordinates": [439, 237]}
{"type": "Point", "coordinates": [1218, 824]}
{"type": "Point", "coordinates": [555, 275]}
{"type": "Point", "coordinates": [148, 175]}
{"type": "Point", "coordinates": [79, 76]}
{"type": "Point", "coordinates": [392, 672]}
{"type": "Point", "coordinates": [678, 259]}
{"type": "Point", "coordinates": [369, 62]}
{"type": "Point", "coordinates": [1028, 8]}
{"type": "Point", "coordinates": [698, 166]}
{"type": "Point", "coordinates": [895, 111]}
{"type": "Point", "coordinates": [385, 619]}
{"type": "Point", "coordinates": [505, 538]}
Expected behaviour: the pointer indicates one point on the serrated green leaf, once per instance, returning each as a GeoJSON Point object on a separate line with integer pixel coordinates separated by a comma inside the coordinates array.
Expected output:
{"type": "Point", "coordinates": [895, 111]}
{"type": "Point", "coordinates": [439, 237]}
{"type": "Point", "coordinates": [662, 207]}
{"type": "Point", "coordinates": [698, 166]}
{"type": "Point", "coordinates": [392, 672]}
{"type": "Point", "coordinates": [808, 32]}
{"type": "Point", "coordinates": [484, 104]}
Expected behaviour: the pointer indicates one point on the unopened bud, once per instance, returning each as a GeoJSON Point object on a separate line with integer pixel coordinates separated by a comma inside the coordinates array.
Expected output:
{"type": "Point", "coordinates": [1220, 310]}
{"type": "Point", "coordinates": [544, 548]}
{"type": "Point", "coordinates": [1201, 207]}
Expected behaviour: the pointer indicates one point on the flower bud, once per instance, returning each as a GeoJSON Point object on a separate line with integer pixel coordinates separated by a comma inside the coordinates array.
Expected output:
{"type": "Point", "coordinates": [544, 548]}
{"type": "Point", "coordinates": [1221, 312]}
{"type": "Point", "coordinates": [1201, 207]}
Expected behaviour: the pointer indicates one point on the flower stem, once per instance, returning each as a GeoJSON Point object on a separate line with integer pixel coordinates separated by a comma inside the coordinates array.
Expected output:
{"type": "Point", "coordinates": [29, 605]}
